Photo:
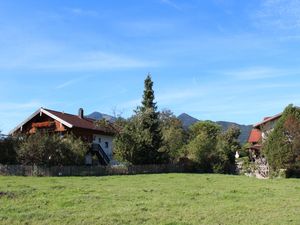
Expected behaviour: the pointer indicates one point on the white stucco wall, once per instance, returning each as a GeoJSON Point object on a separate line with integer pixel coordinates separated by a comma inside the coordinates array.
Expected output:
{"type": "Point", "coordinates": [106, 143]}
{"type": "Point", "coordinates": [267, 128]}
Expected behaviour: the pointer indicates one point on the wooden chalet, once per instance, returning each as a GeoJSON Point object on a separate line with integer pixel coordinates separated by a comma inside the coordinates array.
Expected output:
{"type": "Point", "coordinates": [260, 132]}
{"type": "Point", "coordinates": [255, 142]}
{"type": "Point", "coordinates": [47, 120]}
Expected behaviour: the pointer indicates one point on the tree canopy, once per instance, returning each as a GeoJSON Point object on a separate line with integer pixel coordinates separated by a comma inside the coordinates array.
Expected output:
{"type": "Point", "coordinates": [282, 147]}
{"type": "Point", "coordinates": [212, 149]}
{"type": "Point", "coordinates": [141, 139]}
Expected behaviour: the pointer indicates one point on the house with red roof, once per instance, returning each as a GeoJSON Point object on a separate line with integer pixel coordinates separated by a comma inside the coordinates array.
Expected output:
{"type": "Point", "coordinates": [99, 136]}
{"type": "Point", "coordinates": [267, 125]}
{"type": "Point", "coordinates": [260, 132]}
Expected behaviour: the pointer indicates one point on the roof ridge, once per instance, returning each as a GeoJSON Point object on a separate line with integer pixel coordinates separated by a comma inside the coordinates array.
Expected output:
{"type": "Point", "coordinates": [59, 112]}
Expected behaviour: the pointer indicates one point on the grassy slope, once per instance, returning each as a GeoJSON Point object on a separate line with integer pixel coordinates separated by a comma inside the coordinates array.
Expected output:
{"type": "Point", "coordinates": [149, 199]}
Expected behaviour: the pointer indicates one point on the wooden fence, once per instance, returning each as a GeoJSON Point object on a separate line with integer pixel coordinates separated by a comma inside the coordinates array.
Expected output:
{"type": "Point", "coordinates": [20, 170]}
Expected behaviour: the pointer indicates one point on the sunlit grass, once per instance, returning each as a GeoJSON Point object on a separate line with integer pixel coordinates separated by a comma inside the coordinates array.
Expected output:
{"type": "Point", "coordinates": [149, 199]}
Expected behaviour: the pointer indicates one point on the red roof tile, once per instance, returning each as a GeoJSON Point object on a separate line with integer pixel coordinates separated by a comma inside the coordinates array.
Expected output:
{"type": "Point", "coordinates": [84, 123]}
{"type": "Point", "coordinates": [267, 119]}
{"type": "Point", "coordinates": [255, 136]}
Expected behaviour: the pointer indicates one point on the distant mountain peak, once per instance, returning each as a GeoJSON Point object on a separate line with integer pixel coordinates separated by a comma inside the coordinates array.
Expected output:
{"type": "Point", "coordinates": [100, 116]}
{"type": "Point", "coordinates": [188, 121]}
{"type": "Point", "coordinates": [184, 114]}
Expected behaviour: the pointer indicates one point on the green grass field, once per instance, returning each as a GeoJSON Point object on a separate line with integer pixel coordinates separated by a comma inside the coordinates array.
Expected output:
{"type": "Point", "coordinates": [149, 199]}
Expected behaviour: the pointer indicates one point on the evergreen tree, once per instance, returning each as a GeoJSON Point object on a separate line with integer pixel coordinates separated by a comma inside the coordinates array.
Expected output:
{"type": "Point", "coordinates": [149, 152]}
{"type": "Point", "coordinates": [148, 97]}
{"type": "Point", "coordinates": [140, 141]}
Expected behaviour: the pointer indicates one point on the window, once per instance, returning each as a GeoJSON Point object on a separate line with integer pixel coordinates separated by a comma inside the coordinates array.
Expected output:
{"type": "Point", "coordinates": [99, 140]}
{"type": "Point", "coordinates": [106, 144]}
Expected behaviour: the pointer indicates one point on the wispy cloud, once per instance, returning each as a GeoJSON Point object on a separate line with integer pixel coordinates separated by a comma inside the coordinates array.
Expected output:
{"type": "Point", "coordinates": [258, 73]}
{"type": "Point", "coordinates": [146, 28]}
{"type": "Point", "coordinates": [279, 14]}
{"type": "Point", "coordinates": [10, 106]}
{"type": "Point", "coordinates": [71, 82]}
{"type": "Point", "coordinates": [26, 50]}
{"type": "Point", "coordinates": [43, 57]}
{"type": "Point", "coordinates": [96, 60]}
{"type": "Point", "coordinates": [83, 12]}
{"type": "Point", "coordinates": [173, 96]}
{"type": "Point", "coordinates": [171, 4]}
{"type": "Point", "coordinates": [12, 113]}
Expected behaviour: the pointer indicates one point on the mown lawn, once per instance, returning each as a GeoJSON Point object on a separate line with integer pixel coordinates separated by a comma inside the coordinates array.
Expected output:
{"type": "Point", "coordinates": [149, 199]}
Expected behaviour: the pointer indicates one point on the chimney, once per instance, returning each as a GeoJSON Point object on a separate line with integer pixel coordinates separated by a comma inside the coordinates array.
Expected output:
{"type": "Point", "coordinates": [80, 113]}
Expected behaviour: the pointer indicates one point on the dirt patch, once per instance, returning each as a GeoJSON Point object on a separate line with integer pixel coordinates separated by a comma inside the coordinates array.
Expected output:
{"type": "Point", "coordinates": [6, 194]}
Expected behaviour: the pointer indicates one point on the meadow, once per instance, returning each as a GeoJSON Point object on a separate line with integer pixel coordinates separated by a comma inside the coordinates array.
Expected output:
{"type": "Point", "coordinates": [149, 199]}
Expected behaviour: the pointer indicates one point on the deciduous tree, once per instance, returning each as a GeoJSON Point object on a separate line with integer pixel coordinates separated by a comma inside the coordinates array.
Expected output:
{"type": "Point", "coordinates": [282, 147]}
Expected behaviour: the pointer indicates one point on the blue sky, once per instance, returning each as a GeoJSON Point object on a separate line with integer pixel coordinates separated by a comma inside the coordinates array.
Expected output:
{"type": "Point", "coordinates": [214, 59]}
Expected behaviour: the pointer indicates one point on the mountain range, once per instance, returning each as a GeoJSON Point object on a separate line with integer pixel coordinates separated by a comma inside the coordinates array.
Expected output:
{"type": "Point", "coordinates": [100, 116]}
{"type": "Point", "coordinates": [187, 121]}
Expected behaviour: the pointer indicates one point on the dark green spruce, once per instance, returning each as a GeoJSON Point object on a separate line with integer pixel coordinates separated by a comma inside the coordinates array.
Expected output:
{"type": "Point", "coordinates": [140, 140]}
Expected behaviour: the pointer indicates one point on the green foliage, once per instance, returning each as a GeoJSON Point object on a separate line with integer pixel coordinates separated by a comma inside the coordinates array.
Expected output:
{"type": "Point", "coordinates": [102, 123]}
{"type": "Point", "coordinates": [140, 140]}
{"type": "Point", "coordinates": [212, 150]}
{"type": "Point", "coordinates": [128, 142]}
{"type": "Point", "coordinates": [148, 97]}
{"type": "Point", "coordinates": [8, 154]}
{"type": "Point", "coordinates": [208, 128]}
{"type": "Point", "coordinates": [51, 149]}
{"type": "Point", "coordinates": [174, 136]}
{"type": "Point", "coordinates": [244, 152]}
{"type": "Point", "coordinates": [202, 147]}
{"type": "Point", "coordinates": [282, 147]}
{"type": "Point", "coordinates": [227, 146]}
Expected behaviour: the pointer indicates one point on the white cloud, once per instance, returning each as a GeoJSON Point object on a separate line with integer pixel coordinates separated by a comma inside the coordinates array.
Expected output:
{"type": "Point", "coordinates": [94, 60]}
{"type": "Point", "coordinates": [173, 96]}
{"type": "Point", "coordinates": [9, 106]}
{"type": "Point", "coordinates": [42, 56]}
{"type": "Point", "coordinates": [171, 4]}
{"type": "Point", "coordinates": [83, 12]}
{"type": "Point", "coordinates": [279, 14]}
{"type": "Point", "coordinates": [71, 82]}
{"type": "Point", "coordinates": [13, 113]}
{"type": "Point", "coordinates": [147, 28]}
{"type": "Point", "coordinates": [26, 50]}
{"type": "Point", "coordinates": [257, 73]}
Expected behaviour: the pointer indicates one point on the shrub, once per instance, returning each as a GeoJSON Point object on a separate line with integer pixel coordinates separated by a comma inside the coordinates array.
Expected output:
{"type": "Point", "coordinates": [212, 150]}
{"type": "Point", "coordinates": [202, 147]}
{"type": "Point", "coordinates": [51, 149]}
{"type": "Point", "coordinates": [8, 154]}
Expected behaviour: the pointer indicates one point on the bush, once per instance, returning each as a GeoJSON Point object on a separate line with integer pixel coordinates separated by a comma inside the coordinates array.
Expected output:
{"type": "Point", "coordinates": [212, 150]}
{"type": "Point", "coordinates": [202, 147]}
{"type": "Point", "coordinates": [174, 136]}
{"type": "Point", "coordinates": [8, 154]}
{"type": "Point", "coordinates": [51, 149]}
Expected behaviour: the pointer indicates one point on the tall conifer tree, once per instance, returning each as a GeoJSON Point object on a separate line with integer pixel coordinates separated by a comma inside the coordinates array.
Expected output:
{"type": "Point", "coordinates": [140, 141]}
{"type": "Point", "coordinates": [150, 126]}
